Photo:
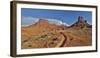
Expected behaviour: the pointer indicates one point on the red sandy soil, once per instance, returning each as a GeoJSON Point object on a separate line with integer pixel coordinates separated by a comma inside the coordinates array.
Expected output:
{"type": "Point", "coordinates": [45, 35]}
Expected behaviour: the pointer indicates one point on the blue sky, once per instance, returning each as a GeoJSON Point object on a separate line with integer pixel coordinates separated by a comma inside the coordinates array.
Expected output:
{"type": "Point", "coordinates": [67, 16]}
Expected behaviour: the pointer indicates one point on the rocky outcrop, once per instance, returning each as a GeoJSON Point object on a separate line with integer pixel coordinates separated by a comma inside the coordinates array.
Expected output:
{"type": "Point", "coordinates": [81, 23]}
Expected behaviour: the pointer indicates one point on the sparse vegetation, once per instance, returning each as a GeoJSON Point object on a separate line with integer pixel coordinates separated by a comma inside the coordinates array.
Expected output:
{"type": "Point", "coordinates": [52, 36]}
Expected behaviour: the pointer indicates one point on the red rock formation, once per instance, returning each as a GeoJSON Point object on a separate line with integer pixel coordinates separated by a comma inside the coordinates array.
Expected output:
{"type": "Point", "coordinates": [81, 23]}
{"type": "Point", "coordinates": [45, 35]}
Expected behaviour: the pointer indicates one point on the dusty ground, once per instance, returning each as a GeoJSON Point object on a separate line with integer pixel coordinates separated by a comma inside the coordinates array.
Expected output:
{"type": "Point", "coordinates": [44, 35]}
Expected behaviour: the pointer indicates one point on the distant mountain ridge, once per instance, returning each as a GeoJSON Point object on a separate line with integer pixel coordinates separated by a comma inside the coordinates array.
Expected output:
{"type": "Point", "coordinates": [80, 23]}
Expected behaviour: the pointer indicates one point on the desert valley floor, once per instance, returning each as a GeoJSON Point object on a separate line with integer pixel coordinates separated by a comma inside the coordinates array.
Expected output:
{"type": "Point", "coordinates": [45, 35]}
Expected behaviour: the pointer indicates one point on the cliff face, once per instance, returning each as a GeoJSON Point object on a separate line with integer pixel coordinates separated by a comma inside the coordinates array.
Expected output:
{"type": "Point", "coordinates": [81, 23]}
{"type": "Point", "coordinates": [43, 34]}
{"type": "Point", "coordinates": [42, 22]}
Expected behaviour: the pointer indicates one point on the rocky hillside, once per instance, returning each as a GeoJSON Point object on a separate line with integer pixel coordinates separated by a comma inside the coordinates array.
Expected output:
{"type": "Point", "coordinates": [43, 34]}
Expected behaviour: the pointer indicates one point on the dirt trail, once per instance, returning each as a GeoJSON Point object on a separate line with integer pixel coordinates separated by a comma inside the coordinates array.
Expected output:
{"type": "Point", "coordinates": [64, 41]}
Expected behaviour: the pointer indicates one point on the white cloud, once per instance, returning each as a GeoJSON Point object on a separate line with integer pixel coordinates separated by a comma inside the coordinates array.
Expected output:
{"type": "Point", "coordinates": [58, 22]}
{"type": "Point", "coordinates": [26, 21]}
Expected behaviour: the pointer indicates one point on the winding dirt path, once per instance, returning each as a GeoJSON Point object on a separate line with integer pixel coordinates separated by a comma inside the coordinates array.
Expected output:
{"type": "Point", "coordinates": [64, 41]}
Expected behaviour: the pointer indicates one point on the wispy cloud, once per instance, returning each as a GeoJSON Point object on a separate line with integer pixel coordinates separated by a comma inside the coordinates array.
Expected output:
{"type": "Point", "coordinates": [26, 21]}
{"type": "Point", "coordinates": [58, 22]}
